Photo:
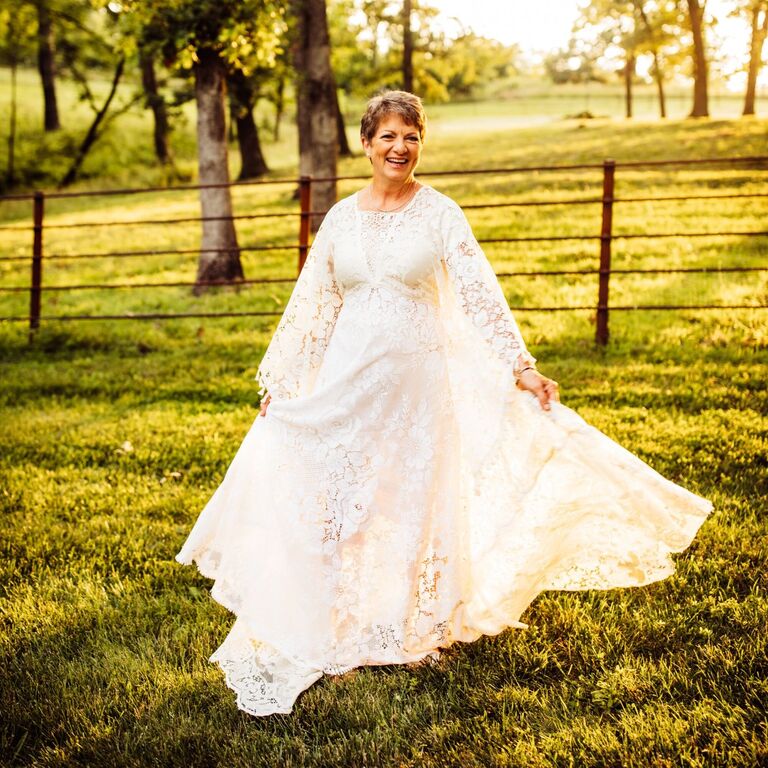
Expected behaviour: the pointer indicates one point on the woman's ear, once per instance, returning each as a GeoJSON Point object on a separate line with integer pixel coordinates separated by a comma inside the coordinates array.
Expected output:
{"type": "Point", "coordinates": [366, 147]}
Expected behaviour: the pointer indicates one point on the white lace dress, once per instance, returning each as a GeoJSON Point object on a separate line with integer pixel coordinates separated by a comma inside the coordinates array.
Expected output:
{"type": "Point", "coordinates": [401, 493]}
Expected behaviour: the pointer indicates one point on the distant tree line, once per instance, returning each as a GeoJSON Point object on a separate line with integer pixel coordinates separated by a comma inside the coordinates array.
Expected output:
{"type": "Point", "coordinates": [675, 34]}
{"type": "Point", "coordinates": [227, 55]}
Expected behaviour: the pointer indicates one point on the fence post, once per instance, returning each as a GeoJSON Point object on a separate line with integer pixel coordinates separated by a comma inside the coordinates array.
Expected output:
{"type": "Point", "coordinates": [37, 264]}
{"type": "Point", "coordinates": [606, 229]}
{"type": "Point", "coordinates": [305, 201]}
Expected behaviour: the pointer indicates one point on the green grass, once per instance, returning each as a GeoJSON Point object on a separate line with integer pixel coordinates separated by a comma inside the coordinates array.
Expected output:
{"type": "Point", "coordinates": [124, 156]}
{"type": "Point", "coordinates": [115, 435]}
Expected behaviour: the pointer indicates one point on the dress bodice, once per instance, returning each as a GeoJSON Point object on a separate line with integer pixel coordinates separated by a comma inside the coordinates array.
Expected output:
{"type": "Point", "coordinates": [391, 249]}
{"type": "Point", "coordinates": [420, 265]}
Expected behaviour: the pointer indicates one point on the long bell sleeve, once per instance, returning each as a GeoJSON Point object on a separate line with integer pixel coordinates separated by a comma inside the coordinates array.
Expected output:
{"type": "Point", "coordinates": [294, 354]}
{"type": "Point", "coordinates": [479, 294]}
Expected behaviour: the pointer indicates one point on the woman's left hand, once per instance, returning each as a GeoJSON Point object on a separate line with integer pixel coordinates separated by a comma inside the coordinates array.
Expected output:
{"type": "Point", "coordinates": [546, 390]}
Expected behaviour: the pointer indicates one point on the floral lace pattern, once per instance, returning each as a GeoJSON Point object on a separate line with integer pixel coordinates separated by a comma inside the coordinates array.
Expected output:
{"type": "Point", "coordinates": [401, 494]}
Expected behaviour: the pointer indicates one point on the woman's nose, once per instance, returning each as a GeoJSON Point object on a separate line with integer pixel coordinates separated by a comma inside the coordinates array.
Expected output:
{"type": "Point", "coordinates": [400, 144]}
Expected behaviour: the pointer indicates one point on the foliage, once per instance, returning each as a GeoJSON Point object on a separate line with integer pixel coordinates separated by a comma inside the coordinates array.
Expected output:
{"type": "Point", "coordinates": [607, 32]}
{"type": "Point", "coordinates": [367, 50]}
{"type": "Point", "coordinates": [245, 33]}
{"type": "Point", "coordinates": [18, 25]}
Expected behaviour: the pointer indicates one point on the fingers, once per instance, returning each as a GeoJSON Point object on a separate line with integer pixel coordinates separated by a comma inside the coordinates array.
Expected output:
{"type": "Point", "coordinates": [553, 390]}
{"type": "Point", "coordinates": [543, 396]}
{"type": "Point", "coordinates": [548, 392]}
{"type": "Point", "coordinates": [264, 405]}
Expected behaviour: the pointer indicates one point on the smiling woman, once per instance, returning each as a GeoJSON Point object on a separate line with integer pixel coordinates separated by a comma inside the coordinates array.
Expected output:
{"type": "Point", "coordinates": [394, 149]}
{"type": "Point", "coordinates": [413, 480]}
{"type": "Point", "coordinates": [392, 131]}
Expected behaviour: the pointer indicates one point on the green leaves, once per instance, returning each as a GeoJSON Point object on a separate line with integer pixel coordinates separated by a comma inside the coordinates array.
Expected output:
{"type": "Point", "coordinates": [247, 34]}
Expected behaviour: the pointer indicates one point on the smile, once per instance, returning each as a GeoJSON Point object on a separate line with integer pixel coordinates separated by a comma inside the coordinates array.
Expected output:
{"type": "Point", "coordinates": [397, 161]}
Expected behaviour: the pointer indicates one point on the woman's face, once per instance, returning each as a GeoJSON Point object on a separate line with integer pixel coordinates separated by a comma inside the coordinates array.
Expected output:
{"type": "Point", "coordinates": [394, 150]}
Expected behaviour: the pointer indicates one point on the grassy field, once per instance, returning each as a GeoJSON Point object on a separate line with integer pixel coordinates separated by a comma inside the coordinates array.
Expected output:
{"type": "Point", "coordinates": [115, 435]}
{"type": "Point", "coordinates": [123, 156]}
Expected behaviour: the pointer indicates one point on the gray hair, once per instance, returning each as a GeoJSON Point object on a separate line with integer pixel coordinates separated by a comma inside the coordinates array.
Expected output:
{"type": "Point", "coordinates": [402, 103]}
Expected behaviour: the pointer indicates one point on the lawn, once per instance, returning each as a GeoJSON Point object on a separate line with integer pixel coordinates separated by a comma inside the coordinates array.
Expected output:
{"type": "Point", "coordinates": [115, 435]}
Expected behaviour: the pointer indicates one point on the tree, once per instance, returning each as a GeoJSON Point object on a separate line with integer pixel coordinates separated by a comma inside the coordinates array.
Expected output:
{"type": "Point", "coordinates": [212, 37]}
{"type": "Point", "coordinates": [369, 42]}
{"type": "Point", "coordinates": [243, 95]}
{"type": "Point", "coordinates": [94, 42]}
{"type": "Point", "coordinates": [96, 127]}
{"type": "Point", "coordinates": [219, 252]}
{"type": "Point", "coordinates": [407, 47]}
{"type": "Point", "coordinates": [615, 24]}
{"type": "Point", "coordinates": [633, 28]}
{"type": "Point", "coordinates": [344, 149]}
{"type": "Point", "coordinates": [700, 67]}
{"type": "Point", "coordinates": [757, 10]}
{"type": "Point", "coordinates": [16, 36]}
{"type": "Point", "coordinates": [575, 64]}
{"type": "Point", "coordinates": [46, 66]}
{"type": "Point", "coordinates": [316, 108]}
{"type": "Point", "coordinates": [154, 100]}
{"type": "Point", "coordinates": [655, 36]}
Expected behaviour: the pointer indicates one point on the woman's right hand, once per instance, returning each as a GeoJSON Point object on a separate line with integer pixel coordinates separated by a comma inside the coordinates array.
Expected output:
{"type": "Point", "coordinates": [265, 401]}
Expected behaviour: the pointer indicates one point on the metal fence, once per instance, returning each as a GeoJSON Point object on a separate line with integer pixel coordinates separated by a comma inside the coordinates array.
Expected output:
{"type": "Point", "coordinates": [604, 240]}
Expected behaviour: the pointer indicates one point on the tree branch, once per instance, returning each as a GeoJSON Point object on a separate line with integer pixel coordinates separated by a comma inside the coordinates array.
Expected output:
{"type": "Point", "coordinates": [93, 132]}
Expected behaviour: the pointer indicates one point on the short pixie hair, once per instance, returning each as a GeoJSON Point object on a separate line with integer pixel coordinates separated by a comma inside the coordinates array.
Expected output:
{"type": "Point", "coordinates": [402, 103]}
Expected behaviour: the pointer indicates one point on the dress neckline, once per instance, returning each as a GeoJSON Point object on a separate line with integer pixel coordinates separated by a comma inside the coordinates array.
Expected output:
{"type": "Point", "coordinates": [389, 213]}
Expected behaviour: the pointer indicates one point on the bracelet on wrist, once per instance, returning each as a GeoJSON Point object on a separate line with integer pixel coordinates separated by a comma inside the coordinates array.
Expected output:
{"type": "Point", "coordinates": [520, 371]}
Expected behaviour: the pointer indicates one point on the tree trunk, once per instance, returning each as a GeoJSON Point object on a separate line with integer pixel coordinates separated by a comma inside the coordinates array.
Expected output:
{"type": "Point", "coordinates": [156, 103]}
{"type": "Point", "coordinates": [629, 73]}
{"type": "Point", "coordinates": [658, 76]}
{"type": "Point", "coordinates": [243, 100]}
{"type": "Point", "coordinates": [658, 72]}
{"type": "Point", "coordinates": [700, 75]}
{"type": "Point", "coordinates": [46, 67]}
{"type": "Point", "coordinates": [279, 107]}
{"type": "Point", "coordinates": [316, 103]}
{"type": "Point", "coordinates": [219, 255]}
{"type": "Point", "coordinates": [252, 161]}
{"type": "Point", "coordinates": [757, 39]}
{"type": "Point", "coordinates": [11, 170]}
{"type": "Point", "coordinates": [93, 131]}
{"type": "Point", "coordinates": [407, 48]}
{"type": "Point", "coordinates": [344, 149]}
{"type": "Point", "coordinates": [303, 108]}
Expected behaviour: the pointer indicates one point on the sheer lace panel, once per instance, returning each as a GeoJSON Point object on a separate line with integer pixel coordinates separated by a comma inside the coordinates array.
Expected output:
{"type": "Point", "coordinates": [298, 346]}
{"type": "Point", "coordinates": [480, 294]}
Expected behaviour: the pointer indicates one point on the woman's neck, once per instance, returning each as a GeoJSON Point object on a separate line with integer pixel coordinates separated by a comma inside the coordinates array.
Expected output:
{"type": "Point", "coordinates": [384, 196]}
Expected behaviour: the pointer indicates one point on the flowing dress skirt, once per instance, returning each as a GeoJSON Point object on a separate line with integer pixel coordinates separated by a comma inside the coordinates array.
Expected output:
{"type": "Point", "coordinates": [356, 526]}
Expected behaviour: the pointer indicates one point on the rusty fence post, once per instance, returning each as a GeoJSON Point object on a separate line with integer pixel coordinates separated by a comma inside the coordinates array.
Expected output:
{"type": "Point", "coordinates": [606, 230]}
{"type": "Point", "coordinates": [37, 264]}
{"type": "Point", "coordinates": [305, 201]}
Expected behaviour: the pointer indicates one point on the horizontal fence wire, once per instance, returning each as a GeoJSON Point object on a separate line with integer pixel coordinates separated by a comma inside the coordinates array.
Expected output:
{"type": "Point", "coordinates": [277, 280]}
{"type": "Point", "coordinates": [760, 160]}
{"type": "Point", "coordinates": [187, 315]}
{"type": "Point", "coordinates": [607, 201]}
{"type": "Point", "coordinates": [294, 246]}
{"type": "Point", "coordinates": [294, 214]}
{"type": "Point", "coordinates": [176, 284]}
{"type": "Point", "coordinates": [163, 252]}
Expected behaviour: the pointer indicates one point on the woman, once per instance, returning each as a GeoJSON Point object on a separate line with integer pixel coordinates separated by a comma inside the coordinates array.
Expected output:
{"type": "Point", "coordinates": [412, 479]}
